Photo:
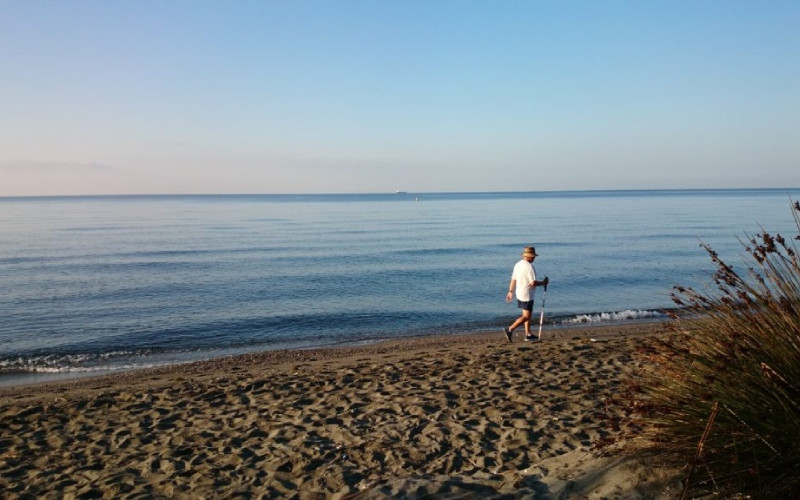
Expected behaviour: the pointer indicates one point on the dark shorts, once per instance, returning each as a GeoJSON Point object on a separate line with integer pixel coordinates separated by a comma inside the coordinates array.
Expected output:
{"type": "Point", "coordinates": [525, 305]}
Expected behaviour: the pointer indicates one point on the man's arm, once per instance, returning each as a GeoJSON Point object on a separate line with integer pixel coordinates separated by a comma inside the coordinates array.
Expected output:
{"type": "Point", "coordinates": [511, 287]}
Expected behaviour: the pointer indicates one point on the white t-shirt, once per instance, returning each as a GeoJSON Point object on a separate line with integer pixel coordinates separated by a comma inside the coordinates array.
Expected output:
{"type": "Point", "coordinates": [525, 275]}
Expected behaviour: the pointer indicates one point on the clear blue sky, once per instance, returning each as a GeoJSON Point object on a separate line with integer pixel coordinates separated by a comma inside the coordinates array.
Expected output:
{"type": "Point", "coordinates": [301, 96]}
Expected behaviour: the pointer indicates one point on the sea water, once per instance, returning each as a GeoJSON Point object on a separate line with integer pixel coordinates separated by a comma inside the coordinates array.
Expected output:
{"type": "Point", "coordinates": [92, 284]}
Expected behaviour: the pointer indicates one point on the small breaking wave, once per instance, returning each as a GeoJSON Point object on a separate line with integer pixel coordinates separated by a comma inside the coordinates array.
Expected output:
{"type": "Point", "coordinates": [64, 363]}
{"type": "Point", "coordinates": [608, 317]}
{"type": "Point", "coordinates": [17, 370]}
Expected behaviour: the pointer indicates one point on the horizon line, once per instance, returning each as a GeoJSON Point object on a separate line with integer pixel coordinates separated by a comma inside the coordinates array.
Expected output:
{"type": "Point", "coordinates": [397, 193]}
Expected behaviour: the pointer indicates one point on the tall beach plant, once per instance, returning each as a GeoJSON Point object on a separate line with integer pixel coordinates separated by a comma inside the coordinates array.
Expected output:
{"type": "Point", "coordinates": [722, 388]}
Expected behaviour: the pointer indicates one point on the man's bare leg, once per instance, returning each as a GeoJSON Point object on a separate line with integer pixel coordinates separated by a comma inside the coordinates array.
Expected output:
{"type": "Point", "coordinates": [525, 318]}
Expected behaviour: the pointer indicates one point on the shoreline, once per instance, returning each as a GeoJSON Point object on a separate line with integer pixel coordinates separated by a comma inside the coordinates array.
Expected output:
{"type": "Point", "coordinates": [21, 379]}
{"type": "Point", "coordinates": [424, 414]}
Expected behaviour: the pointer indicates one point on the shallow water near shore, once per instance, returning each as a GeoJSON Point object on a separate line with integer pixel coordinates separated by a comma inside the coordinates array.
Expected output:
{"type": "Point", "coordinates": [102, 283]}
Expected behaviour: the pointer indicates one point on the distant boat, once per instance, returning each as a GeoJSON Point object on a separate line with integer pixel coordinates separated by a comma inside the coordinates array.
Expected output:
{"type": "Point", "coordinates": [400, 192]}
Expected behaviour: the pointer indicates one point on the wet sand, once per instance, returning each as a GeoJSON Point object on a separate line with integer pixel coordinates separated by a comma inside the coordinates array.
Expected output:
{"type": "Point", "coordinates": [432, 417]}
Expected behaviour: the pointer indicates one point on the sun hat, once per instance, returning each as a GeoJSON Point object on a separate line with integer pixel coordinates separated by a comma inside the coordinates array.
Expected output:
{"type": "Point", "coordinates": [529, 252]}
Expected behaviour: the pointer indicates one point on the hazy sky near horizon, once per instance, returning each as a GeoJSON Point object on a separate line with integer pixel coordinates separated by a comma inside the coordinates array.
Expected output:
{"type": "Point", "coordinates": [307, 96]}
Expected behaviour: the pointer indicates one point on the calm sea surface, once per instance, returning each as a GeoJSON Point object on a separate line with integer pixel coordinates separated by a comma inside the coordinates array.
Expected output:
{"type": "Point", "coordinates": [108, 283]}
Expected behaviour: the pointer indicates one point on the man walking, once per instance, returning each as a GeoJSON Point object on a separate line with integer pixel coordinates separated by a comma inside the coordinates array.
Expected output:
{"type": "Point", "coordinates": [523, 281]}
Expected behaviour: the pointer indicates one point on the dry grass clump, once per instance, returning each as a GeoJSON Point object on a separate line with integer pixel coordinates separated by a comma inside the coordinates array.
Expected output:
{"type": "Point", "coordinates": [723, 389]}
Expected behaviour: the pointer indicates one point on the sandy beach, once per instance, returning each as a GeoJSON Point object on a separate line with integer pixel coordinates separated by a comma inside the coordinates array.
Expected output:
{"type": "Point", "coordinates": [433, 417]}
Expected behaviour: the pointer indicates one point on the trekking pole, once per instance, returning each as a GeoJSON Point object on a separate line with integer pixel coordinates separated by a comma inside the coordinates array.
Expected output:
{"type": "Point", "coordinates": [541, 316]}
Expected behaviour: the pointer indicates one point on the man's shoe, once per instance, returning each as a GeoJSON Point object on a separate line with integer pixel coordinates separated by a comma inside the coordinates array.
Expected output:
{"type": "Point", "coordinates": [508, 333]}
{"type": "Point", "coordinates": [531, 338]}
